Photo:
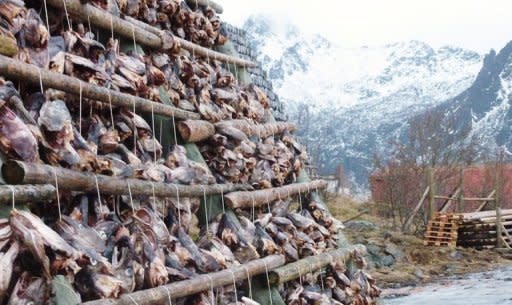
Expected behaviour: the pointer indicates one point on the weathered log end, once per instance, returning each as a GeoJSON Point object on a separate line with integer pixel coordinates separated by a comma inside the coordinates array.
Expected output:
{"type": "Point", "coordinates": [13, 172]}
{"type": "Point", "coordinates": [195, 130]}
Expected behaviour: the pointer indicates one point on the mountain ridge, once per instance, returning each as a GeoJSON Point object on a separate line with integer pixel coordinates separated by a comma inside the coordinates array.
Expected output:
{"type": "Point", "coordinates": [354, 101]}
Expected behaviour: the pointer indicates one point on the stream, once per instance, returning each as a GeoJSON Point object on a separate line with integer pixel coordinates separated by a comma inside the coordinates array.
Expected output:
{"type": "Point", "coordinates": [486, 288]}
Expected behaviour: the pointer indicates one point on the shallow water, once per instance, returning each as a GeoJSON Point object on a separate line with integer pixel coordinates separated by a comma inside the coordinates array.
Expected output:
{"type": "Point", "coordinates": [486, 288]}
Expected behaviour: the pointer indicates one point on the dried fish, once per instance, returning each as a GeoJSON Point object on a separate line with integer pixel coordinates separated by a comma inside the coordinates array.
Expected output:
{"type": "Point", "coordinates": [6, 268]}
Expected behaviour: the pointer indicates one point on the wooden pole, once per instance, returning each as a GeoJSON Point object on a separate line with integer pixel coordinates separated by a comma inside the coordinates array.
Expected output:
{"type": "Point", "coordinates": [409, 220]}
{"type": "Point", "coordinates": [261, 130]}
{"type": "Point", "coordinates": [160, 295]}
{"type": "Point", "coordinates": [431, 193]}
{"type": "Point", "coordinates": [14, 69]}
{"type": "Point", "coordinates": [154, 38]}
{"type": "Point", "coordinates": [217, 7]}
{"type": "Point", "coordinates": [460, 207]}
{"type": "Point", "coordinates": [26, 193]}
{"type": "Point", "coordinates": [499, 185]}
{"type": "Point", "coordinates": [257, 198]}
{"type": "Point", "coordinates": [199, 130]}
{"type": "Point", "coordinates": [18, 172]}
{"type": "Point", "coordinates": [490, 197]}
{"type": "Point", "coordinates": [309, 264]}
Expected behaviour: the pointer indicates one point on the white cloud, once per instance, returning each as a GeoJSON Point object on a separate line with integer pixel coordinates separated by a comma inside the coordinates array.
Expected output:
{"type": "Point", "coordinates": [474, 24]}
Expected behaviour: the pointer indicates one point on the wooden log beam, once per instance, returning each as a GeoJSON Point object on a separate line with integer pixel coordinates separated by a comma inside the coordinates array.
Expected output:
{"type": "Point", "coordinates": [217, 7]}
{"type": "Point", "coordinates": [154, 38]}
{"type": "Point", "coordinates": [160, 295]}
{"type": "Point", "coordinates": [18, 172]}
{"type": "Point", "coordinates": [199, 130]}
{"type": "Point", "coordinates": [261, 130]}
{"type": "Point", "coordinates": [309, 264]}
{"type": "Point", "coordinates": [26, 193]}
{"type": "Point", "coordinates": [257, 198]}
{"type": "Point", "coordinates": [14, 69]}
{"type": "Point", "coordinates": [192, 131]}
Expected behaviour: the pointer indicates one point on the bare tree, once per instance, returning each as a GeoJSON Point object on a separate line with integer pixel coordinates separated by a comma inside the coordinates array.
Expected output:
{"type": "Point", "coordinates": [430, 143]}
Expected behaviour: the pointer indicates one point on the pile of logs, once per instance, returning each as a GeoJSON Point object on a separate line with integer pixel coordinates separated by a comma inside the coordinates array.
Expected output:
{"type": "Point", "coordinates": [479, 229]}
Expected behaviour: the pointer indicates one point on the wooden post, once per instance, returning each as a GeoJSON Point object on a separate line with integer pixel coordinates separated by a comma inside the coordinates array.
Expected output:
{"type": "Point", "coordinates": [340, 177]}
{"type": "Point", "coordinates": [499, 185]}
{"type": "Point", "coordinates": [460, 207]}
{"type": "Point", "coordinates": [431, 193]}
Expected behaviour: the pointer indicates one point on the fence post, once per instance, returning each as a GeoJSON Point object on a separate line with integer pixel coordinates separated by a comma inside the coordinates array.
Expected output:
{"type": "Point", "coordinates": [498, 187]}
{"type": "Point", "coordinates": [460, 207]}
{"type": "Point", "coordinates": [431, 192]}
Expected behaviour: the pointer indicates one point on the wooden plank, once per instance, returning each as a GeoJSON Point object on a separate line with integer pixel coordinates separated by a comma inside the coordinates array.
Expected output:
{"type": "Point", "coordinates": [482, 225]}
{"type": "Point", "coordinates": [478, 199]}
{"type": "Point", "coordinates": [441, 224]}
{"type": "Point", "coordinates": [444, 232]}
{"type": "Point", "coordinates": [483, 214]}
{"type": "Point", "coordinates": [440, 238]}
{"type": "Point", "coordinates": [438, 243]}
{"type": "Point", "coordinates": [160, 295]}
{"type": "Point", "coordinates": [409, 220]}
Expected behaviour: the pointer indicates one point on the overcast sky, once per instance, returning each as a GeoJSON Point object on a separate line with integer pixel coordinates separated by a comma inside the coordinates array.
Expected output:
{"type": "Point", "coordinates": [474, 24]}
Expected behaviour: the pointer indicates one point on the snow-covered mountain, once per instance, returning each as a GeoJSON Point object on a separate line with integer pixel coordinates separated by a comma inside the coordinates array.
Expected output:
{"type": "Point", "coordinates": [352, 102]}
{"type": "Point", "coordinates": [483, 111]}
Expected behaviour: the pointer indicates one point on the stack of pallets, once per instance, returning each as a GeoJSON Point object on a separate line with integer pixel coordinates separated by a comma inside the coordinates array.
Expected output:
{"type": "Point", "coordinates": [442, 230]}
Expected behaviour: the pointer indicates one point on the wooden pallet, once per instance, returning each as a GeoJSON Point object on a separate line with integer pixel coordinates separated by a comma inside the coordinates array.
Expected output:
{"type": "Point", "coordinates": [442, 230]}
{"type": "Point", "coordinates": [441, 234]}
{"type": "Point", "coordinates": [438, 243]}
